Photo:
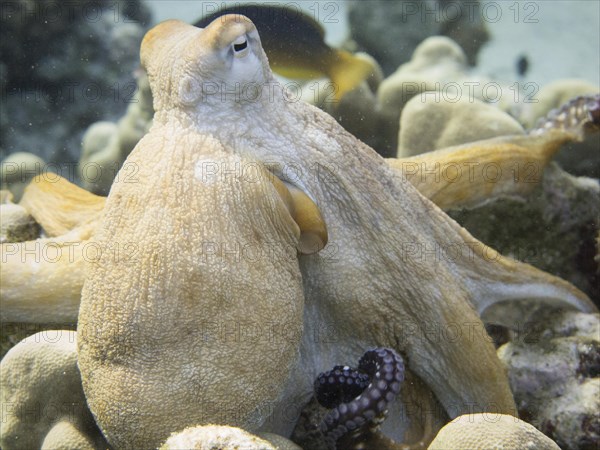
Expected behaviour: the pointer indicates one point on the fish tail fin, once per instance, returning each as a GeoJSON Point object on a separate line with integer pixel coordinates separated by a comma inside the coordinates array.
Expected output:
{"type": "Point", "coordinates": [347, 71]}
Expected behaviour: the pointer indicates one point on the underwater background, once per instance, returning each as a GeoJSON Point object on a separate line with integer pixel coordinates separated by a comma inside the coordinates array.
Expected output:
{"type": "Point", "coordinates": [58, 75]}
{"type": "Point", "coordinates": [561, 38]}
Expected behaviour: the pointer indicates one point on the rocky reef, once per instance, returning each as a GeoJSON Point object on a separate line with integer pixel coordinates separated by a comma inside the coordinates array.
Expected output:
{"type": "Point", "coordinates": [554, 370]}
{"type": "Point", "coordinates": [377, 27]}
{"type": "Point", "coordinates": [65, 66]}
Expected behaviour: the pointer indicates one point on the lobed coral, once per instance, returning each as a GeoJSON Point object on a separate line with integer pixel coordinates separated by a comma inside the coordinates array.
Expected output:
{"type": "Point", "coordinates": [40, 388]}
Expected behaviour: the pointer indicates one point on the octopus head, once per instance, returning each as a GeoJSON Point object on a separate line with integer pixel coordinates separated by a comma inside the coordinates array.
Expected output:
{"type": "Point", "coordinates": [188, 66]}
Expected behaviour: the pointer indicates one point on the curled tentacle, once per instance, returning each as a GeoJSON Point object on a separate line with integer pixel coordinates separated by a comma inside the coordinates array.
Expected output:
{"type": "Point", "coordinates": [360, 405]}
{"type": "Point", "coordinates": [340, 385]}
{"type": "Point", "coordinates": [577, 115]}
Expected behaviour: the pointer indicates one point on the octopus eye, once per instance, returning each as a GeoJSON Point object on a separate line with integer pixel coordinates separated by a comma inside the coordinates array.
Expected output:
{"type": "Point", "coordinates": [240, 46]}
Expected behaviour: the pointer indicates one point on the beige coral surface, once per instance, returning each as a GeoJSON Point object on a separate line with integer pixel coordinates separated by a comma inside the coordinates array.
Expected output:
{"type": "Point", "coordinates": [490, 431]}
{"type": "Point", "coordinates": [42, 398]}
{"type": "Point", "coordinates": [210, 437]}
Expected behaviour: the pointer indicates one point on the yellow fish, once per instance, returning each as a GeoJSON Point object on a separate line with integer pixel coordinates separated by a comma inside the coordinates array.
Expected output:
{"type": "Point", "coordinates": [294, 43]}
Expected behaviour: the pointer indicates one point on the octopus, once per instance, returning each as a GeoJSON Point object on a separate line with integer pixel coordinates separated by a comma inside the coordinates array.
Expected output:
{"type": "Point", "coordinates": [270, 244]}
{"type": "Point", "coordinates": [360, 397]}
{"type": "Point", "coordinates": [583, 109]}
{"type": "Point", "coordinates": [189, 331]}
